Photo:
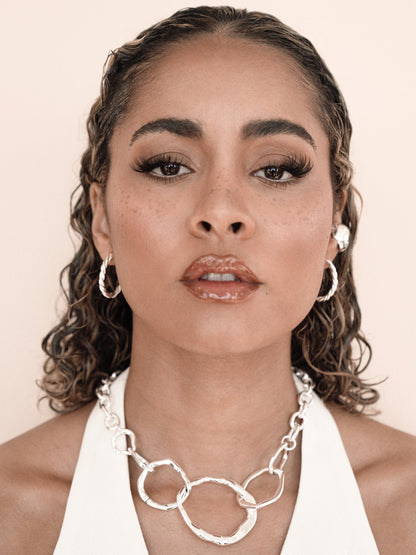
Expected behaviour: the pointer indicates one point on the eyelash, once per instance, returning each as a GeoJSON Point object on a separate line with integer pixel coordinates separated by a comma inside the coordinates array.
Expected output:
{"type": "Point", "coordinates": [297, 167]}
{"type": "Point", "coordinates": [147, 166]}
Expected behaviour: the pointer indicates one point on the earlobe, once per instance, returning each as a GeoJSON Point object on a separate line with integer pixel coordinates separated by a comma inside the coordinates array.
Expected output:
{"type": "Point", "coordinates": [339, 240]}
{"type": "Point", "coordinates": [99, 224]}
{"type": "Point", "coordinates": [340, 234]}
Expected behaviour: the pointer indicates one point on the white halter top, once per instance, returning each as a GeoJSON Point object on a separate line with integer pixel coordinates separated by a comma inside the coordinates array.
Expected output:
{"type": "Point", "coordinates": [329, 516]}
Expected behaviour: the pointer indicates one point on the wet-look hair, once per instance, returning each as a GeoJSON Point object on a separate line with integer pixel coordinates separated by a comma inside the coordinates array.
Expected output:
{"type": "Point", "coordinates": [93, 337]}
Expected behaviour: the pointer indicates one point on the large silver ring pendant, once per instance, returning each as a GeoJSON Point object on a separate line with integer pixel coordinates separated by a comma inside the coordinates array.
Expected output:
{"type": "Point", "coordinates": [241, 531]}
{"type": "Point", "coordinates": [144, 495]}
{"type": "Point", "coordinates": [279, 490]}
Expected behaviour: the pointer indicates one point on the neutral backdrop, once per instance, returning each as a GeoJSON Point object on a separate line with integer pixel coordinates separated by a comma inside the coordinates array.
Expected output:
{"type": "Point", "coordinates": [52, 53]}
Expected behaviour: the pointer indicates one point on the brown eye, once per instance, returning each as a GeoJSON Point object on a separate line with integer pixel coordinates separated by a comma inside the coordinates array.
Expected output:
{"type": "Point", "coordinates": [274, 173]}
{"type": "Point", "coordinates": [169, 168]}
{"type": "Point", "coordinates": [162, 167]}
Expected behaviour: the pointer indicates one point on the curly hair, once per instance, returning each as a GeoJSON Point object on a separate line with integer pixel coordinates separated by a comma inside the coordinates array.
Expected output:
{"type": "Point", "coordinates": [93, 338]}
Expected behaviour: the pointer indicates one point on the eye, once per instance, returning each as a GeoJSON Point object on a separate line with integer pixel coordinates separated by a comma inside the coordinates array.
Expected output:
{"type": "Point", "coordinates": [170, 169]}
{"type": "Point", "coordinates": [164, 167]}
{"type": "Point", "coordinates": [291, 168]}
{"type": "Point", "coordinates": [273, 173]}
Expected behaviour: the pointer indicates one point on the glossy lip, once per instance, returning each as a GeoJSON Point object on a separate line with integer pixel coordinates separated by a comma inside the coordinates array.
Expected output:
{"type": "Point", "coordinates": [220, 291]}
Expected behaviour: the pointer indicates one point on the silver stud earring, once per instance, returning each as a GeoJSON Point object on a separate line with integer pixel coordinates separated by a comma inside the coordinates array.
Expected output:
{"type": "Point", "coordinates": [341, 234]}
{"type": "Point", "coordinates": [101, 280]}
{"type": "Point", "coordinates": [334, 286]}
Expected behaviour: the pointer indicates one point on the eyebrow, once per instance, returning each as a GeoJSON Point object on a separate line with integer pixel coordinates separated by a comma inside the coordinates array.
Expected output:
{"type": "Point", "coordinates": [193, 130]}
{"type": "Point", "coordinates": [182, 127]}
{"type": "Point", "coordinates": [264, 128]}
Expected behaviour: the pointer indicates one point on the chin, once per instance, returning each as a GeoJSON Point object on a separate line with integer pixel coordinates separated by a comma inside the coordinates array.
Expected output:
{"type": "Point", "coordinates": [222, 344]}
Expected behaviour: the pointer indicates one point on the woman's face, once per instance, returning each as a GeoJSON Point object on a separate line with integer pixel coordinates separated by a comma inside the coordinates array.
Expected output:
{"type": "Point", "coordinates": [221, 160]}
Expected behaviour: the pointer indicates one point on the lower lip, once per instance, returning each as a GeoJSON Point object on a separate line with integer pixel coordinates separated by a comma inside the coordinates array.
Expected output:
{"type": "Point", "coordinates": [221, 291]}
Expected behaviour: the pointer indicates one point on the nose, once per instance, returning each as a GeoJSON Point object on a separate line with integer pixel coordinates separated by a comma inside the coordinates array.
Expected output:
{"type": "Point", "coordinates": [222, 212]}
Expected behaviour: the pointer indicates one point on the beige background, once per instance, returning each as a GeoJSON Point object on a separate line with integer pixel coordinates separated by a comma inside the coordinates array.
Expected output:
{"type": "Point", "coordinates": [52, 53]}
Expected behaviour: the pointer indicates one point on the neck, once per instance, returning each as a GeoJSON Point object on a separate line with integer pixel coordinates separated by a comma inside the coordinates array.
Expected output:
{"type": "Point", "coordinates": [213, 415]}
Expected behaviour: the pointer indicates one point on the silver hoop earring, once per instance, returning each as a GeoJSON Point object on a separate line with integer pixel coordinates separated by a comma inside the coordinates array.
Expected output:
{"type": "Point", "coordinates": [341, 234]}
{"type": "Point", "coordinates": [101, 280]}
{"type": "Point", "coordinates": [334, 275]}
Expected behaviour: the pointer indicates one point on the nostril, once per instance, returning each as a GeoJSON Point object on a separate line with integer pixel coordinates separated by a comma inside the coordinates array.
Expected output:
{"type": "Point", "coordinates": [206, 226]}
{"type": "Point", "coordinates": [236, 226]}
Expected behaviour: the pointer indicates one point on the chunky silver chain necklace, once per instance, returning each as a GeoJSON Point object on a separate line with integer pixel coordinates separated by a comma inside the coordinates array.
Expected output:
{"type": "Point", "coordinates": [275, 468]}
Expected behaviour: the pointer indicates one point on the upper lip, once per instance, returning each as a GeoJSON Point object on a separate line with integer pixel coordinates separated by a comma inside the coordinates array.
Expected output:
{"type": "Point", "coordinates": [212, 263]}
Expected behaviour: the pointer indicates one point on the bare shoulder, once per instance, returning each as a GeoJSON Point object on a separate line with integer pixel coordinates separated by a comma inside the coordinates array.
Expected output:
{"type": "Point", "coordinates": [384, 463]}
{"type": "Point", "coordinates": [36, 471]}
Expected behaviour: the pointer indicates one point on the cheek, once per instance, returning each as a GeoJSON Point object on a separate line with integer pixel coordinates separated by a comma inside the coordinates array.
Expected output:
{"type": "Point", "coordinates": [143, 236]}
{"type": "Point", "coordinates": [152, 247]}
{"type": "Point", "coordinates": [298, 252]}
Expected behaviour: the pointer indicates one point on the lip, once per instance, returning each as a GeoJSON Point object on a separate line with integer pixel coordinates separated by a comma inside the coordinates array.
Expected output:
{"type": "Point", "coordinates": [220, 291]}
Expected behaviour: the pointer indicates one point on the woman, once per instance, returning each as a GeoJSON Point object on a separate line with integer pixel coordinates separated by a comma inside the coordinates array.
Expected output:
{"type": "Point", "coordinates": [217, 218]}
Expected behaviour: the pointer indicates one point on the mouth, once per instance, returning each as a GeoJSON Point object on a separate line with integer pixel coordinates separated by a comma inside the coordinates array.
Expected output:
{"type": "Point", "coordinates": [211, 276]}
{"type": "Point", "coordinates": [223, 279]}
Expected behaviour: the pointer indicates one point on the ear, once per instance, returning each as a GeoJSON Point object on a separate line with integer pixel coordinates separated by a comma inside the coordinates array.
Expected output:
{"type": "Point", "coordinates": [99, 224]}
{"type": "Point", "coordinates": [332, 250]}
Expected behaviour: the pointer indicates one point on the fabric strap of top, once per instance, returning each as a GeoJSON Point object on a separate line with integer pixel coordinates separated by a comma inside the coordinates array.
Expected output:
{"type": "Point", "coordinates": [100, 516]}
{"type": "Point", "coordinates": [329, 515]}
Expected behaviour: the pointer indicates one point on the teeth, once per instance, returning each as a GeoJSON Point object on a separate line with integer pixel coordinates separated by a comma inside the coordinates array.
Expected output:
{"type": "Point", "coordinates": [219, 277]}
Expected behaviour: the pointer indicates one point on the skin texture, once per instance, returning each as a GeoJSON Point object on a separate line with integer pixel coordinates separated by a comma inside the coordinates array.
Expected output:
{"type": "Point", "coordinates": [210, 382]}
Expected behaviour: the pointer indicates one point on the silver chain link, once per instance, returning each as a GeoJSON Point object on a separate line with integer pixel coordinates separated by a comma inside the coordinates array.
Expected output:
{"type": "Point", "coordinates": [275, 467]}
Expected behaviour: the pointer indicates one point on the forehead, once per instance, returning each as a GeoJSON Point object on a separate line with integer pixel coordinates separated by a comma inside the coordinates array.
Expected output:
{"type": "Point", "coordinates": [222, 82]}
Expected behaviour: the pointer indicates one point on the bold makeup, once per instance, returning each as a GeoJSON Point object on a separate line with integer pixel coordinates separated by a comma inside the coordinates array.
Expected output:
{"type": "Point", "coordinates": [170, 167]}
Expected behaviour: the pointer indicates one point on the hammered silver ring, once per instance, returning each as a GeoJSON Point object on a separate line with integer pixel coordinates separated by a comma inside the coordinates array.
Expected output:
{"type": "Point", "coordinates": [279, 490]}
{"type": "Point", "coordinates": [244, 527]}
{"type": "Point", "coordinates": [150, 468]}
